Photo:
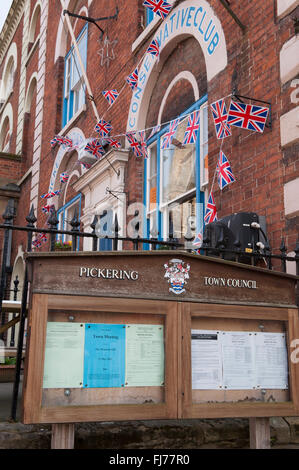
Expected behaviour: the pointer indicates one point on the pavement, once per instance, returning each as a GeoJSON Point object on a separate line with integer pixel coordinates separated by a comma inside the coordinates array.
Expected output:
{"type": "Point", "coordinates": [6, 390]}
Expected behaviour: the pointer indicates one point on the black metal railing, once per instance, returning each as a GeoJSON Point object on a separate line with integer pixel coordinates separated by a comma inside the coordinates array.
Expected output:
{"type": "Point", "coordinates": [261, 255]}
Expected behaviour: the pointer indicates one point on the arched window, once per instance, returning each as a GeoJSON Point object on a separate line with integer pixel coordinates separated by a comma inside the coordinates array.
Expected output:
{"type": "Point", "coordinates": [34, 28]}
{"type": "Point", "coordinates": [5, 134]}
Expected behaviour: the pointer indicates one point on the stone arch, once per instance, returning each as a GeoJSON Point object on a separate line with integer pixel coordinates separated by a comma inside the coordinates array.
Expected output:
{"type": "Point", "coordinates": [30, 92]}
{"type": "Point", "coordinates": [78, 139]}
{"type": "Point", "coordinates": [62, 32]}
{"type": "Point", "coordinates": [185, 75]}
{"type": "Point", "coordinates": [187, 19]}
{"type": "Point", "coordinates": [33, 23]}
{"type": "Point", "coordinates": [6, 122]}
{"type": "Point", "coordinates": [9, 69]}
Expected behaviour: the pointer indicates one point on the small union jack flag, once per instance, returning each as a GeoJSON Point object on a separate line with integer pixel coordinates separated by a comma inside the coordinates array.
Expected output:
{"type": "Point", "coordinates": [160, 7]}
{"type": "Point", "coordinates": [103, 128]}
{"type": "Point", "coordinates": [198, 241]}
{"type": "Point", "coordinates": [224, 171]}
{"type": "Point", "coordinates": [64, 141]}
{"type": "Point", "coordinates": [167, 138]}
{"type": "Point", "coordinates": [155, 130]}
{"type": "Point", "coordinates": [95, 148]}
{"type": "Point", "coordinates": [43, 237]}
{"type": "Point", "coordinates": [113, 143]}
{"type": "Point", "coordinates": [47, 209]}
{"type": "Point", "coordinates": [192, 128]}
{"type": "Point", "coordinates": [143, 144]}
{"type": "Point", "coordinates": [37, 243]}
{"type": "Point", "coordinates": [220, 116]}
{"type": "Point", "coordinates": [53, 142]}
{"type": "Point", "coordinates": [51, 194]}
{"type": "Point", "coordinates": [64, 177]}
{"type": "Point", "coordinates": [132, 79]}
{"type": "Point", "coordinates": [154, 48]}
{"type": "Point", "coordinates": [110, 95]}
{"type": "Point", "coordinates": [135, 145]}
{"type": "Point", "coordinates": [247, 116]}
{"type": "Point", "coordinates": [211, 211]}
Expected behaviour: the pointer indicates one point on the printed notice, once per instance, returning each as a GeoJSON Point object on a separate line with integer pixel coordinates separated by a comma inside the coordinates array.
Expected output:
{"type": "Point", "coordinates": [271, 361]}
{"type": "Point", "coordinates": [206, 360]}
{"type": "Point", "coordinates": [144, 355]}
{"type": "Point", "coordinates": [238, 360]}
{"type": "Point", "coordinates": [64, 355]}
{"type": "Point", "coordinates": [104, 356]}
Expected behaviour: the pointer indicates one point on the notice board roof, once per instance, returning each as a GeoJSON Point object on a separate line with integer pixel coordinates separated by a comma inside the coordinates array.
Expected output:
{"type": "Point", "coordinates": [161, 275]}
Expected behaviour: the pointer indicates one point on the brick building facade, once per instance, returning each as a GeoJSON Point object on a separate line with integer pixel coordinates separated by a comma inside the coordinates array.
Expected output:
{"type": "Point", "coordinates": [208, 50]}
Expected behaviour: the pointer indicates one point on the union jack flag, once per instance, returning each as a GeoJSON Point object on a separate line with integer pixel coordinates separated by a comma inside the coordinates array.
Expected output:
{"type": "Point", "coordinates": [51, 194]}
{"type": "Point", "coordinates": [155, 130]}
{"type": "Point", "coordinates": [192, 128]}
{"type": "Point", "coordinates": [247, 116]}
{"type": "Point", "coordinates": [37, 243]}
{"type": "Point", "coordinates": [43, 237]}
{"type": "Point", "coordinates": [114, 143]}
{"type": "Point", "coordinates": [64, 177]}
{"type": "Point", "coordinates": [53, 142]}
{"type": "Point", "coordinates": [224, 171]}
{"type": "Point", "coordinates": [220, 116]}
{"type": "Point", "coordinates": [103, 128]}
{"type": "Point", "coordinates": [95, 148]}
{"type": "Point", "coordinates": [135, 145]}
{"type": "Point", "coordinates": [143, 144]}
{"type": "Point", "coordinates": [154, 48]}
{"type": "Point", "coordinates": [167, 138]}
{"type": "Point", "coordinates": [198, 242]}
{"type": "Point", "coordinates": [211, 211]}
{"type": "Point", "coordinates": [132, 79]}
{"type": "Point", "coordinates": [47, 209]}
{"type": "Point", "coordinates": [110, 95]}
{"type": "Point", "coordinates": [160, 7]}
{"type": "Point", "coordinates": [65, 141]}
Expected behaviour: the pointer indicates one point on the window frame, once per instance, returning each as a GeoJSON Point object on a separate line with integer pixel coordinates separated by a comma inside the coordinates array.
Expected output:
{"type": "Point", "coordinates": [62, 217]}
{"type": "Point", "coordinates": [69, 88]}
{"type": "Point", "coordinates": [162, 209]}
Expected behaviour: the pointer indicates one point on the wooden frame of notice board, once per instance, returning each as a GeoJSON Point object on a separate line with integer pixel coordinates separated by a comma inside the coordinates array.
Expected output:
{"type": "Point", "coordinates": [82, 405]}
{"type": "Point", "coordinates": [141, 288]}
{"type": "Point", "coordinates": [236, 403]}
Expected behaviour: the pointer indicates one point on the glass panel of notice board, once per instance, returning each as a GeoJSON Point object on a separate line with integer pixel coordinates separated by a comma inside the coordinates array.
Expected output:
{"type": "Point", "coordinates": [233, 365]}
{"type": "Point", "coordinates": [104, 362]}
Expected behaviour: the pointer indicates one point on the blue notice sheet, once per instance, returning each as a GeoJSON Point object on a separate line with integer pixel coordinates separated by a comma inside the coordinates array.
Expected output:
{"type": "Point", "coordinates": [104, 356]}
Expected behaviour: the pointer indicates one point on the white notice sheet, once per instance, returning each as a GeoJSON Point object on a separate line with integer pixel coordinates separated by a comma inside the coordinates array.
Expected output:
{"type": "Point", "coordinates": [206, 360]}
{"type": "Point", "coordinates": [271, 360]}
{"type": "Point", "coordinates": [238, 360]}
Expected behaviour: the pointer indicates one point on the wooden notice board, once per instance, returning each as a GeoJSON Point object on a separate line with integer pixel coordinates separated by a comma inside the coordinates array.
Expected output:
{"type": "Point", "coordinates": [157, 335]}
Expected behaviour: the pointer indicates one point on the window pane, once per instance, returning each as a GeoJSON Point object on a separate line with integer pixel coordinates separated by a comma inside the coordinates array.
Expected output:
{"type": "Point", "coordinates": [152, 179]}
{"type": "Point", "coordinates": [178, 167]}
{"type": "Point", "coordinates": [180, 218]}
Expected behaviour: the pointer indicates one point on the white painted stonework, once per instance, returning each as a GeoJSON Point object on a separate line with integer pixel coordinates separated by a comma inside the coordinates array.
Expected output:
{"type": "Point", "coordinates": [289, 127]}
{"type": "Point", "coordinates": [291, 198]}
{"type": "Point", "coordinates": [289, 60]}
{"type": "Point", "coordinates": [284, 7]}
{"type": "Point", "coordinates": [192, 18]}
{"type": "Point", "coordinates": [93, 185]}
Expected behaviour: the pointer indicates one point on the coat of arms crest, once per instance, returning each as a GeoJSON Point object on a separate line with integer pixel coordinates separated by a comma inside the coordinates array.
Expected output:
{"type": "Point", "coordinates": [177, 272]}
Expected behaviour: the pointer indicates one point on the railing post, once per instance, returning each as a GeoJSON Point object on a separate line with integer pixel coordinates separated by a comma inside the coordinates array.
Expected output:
{"type": "Point", "coordinates": [75, 224]}
{"type": "Point", "coordinates": [269, 255]}
{"type": "Point", "coordinates": [95, 240]}
{"type": "Point", "coordinates": [15, 294]}
{"type": "Point", "coordinates": [31, 219]}
{"type": "Point", "coordinates": [116, 230]}
{"type": "Point", "coordinates": [8, 221]}
{"type": "Point", "coordinates": [283, 251]}
{"type": "Point", "coordinates": [53, 222]}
